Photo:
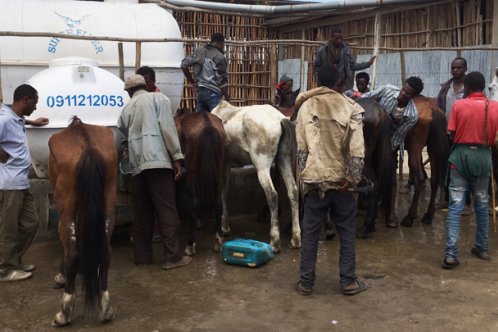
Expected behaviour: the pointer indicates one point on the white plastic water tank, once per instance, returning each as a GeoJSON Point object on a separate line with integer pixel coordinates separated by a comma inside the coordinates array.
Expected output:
{"type": "Point", "coordinates": [22, 57]}
{"type": "Point", "coordinates": [72, 86]}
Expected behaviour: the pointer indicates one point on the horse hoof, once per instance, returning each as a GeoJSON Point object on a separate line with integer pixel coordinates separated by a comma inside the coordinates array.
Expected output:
{"type": "Point", "coordinates": [329, 236]}
{"type": "Point", "coordinates": [217, 247]}
{"type": "Point", "coordinates": [108, 316]}
{"type": "Point", "coordinates": [60, 320]}
{"type": "Point", "coordinates": [59, 281]}
{"type": "Point", "coordinates": [190, 250]}
{"type": "Point", "coordinates": [295, 244]}
{"type": "Point", "coordinates": [275, 248]}
{"type": "Point", "coordinates": [392, 224]}
{"type": "Point", "coordinates": [427, 220]}
{"type": "Point", "coordinates": [407, 222]}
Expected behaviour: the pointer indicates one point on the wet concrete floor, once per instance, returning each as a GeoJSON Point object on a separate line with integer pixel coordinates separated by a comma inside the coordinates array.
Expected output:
{"type": "Point", "coordinates": [408, 289]}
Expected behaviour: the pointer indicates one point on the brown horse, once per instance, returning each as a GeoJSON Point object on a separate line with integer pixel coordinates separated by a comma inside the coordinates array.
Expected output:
{"type": "Point", "coordinates": [430, 131]}
{"type": "Point", "coordinates": [202, 138]}
{"type": "Point", "coordinates": [83, 171]}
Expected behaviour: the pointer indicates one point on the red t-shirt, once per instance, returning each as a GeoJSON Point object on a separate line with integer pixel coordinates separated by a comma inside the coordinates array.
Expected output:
{"type": "Point", "coordinates": [467, 120]}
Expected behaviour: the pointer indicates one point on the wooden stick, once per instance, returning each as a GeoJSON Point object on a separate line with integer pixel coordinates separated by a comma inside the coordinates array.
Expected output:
{"type": "Point", "coordinates": [121, 61]}
{"type": "Point", "coordinates": [493, 197]}
{"type": "Point", "coordinates": [138, 55]}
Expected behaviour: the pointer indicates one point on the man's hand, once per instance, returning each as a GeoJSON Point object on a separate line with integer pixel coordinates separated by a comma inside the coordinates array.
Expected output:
{"type": "Point", "coordinates": [344, 185]}
{"type": "Point", "coordinates": [177, 169]}
{"type": "Point", "coordinates": [195, 87]}
{"type": "Point", "coordinates": [372, 59]}
{"type": "Point", "coordinates": [4, 156]}
{"type": "Point", "coordinates": [37, 122]}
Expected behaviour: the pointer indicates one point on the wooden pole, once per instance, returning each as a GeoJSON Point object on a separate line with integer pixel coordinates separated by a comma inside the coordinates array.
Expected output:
{"type": "Point", "coordinates": [302, 79]}
{"type": "Point", "coordinates": [378, 18]}
{"type": "Point", "coordinates": [273, 71]}
{"type": "Point", "coordinates": [121, 61]}
{"type": "Point", "coordinates": [138, 55]}
{"type": "Point", "coordinates": [494, 28]}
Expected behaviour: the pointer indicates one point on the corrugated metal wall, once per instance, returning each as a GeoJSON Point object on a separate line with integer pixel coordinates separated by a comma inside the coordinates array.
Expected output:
{"type": "Point", "coordinates": [433, 67]}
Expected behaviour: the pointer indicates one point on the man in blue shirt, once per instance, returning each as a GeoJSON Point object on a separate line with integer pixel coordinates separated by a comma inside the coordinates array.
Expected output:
{"type": "Point", "coordinates": [18, 217]}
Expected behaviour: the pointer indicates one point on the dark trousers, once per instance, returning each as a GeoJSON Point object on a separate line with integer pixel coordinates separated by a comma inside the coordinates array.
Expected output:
{"type": "Point", "coordinates": [18, 225]}
{"type": "Point", "coordinates": [342, 211]}
{"type": "Point", "coordinates": [154, 195]}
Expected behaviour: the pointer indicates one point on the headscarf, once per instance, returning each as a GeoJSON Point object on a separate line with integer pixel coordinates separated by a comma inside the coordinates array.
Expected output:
{"type": "Point", "coordinates": [283, 79]}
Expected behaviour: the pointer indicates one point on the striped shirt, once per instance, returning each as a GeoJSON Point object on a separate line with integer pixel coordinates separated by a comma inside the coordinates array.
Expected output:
{"type": "Point", "coordinates": [13, 173]}
{"type": "Point", "coordinates": [387, 97]}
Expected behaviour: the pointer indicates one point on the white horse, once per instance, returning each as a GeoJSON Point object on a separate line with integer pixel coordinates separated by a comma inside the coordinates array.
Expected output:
{"type": "Point", "coordinates": [493, 88]}
{"type": "Point", "coordinates": [259, 135]}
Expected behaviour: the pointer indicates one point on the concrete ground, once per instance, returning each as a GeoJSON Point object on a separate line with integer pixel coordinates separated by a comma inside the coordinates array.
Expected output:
{"type": "Point", "coordinates": [408, 289]}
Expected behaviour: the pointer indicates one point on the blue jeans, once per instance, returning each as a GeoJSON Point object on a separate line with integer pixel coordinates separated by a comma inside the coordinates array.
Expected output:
{"type": "Point", "coordinates": [207, 100]}
{"type": "Point", "coordinates": [459, 185]}
{"type": "Point", "coordinates": [342, 207]}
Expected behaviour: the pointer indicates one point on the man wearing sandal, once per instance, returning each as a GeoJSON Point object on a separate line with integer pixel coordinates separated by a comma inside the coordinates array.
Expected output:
{"type": "Point", "coordinates": [472, 127]}
{"type": "Point", "coordinates": [330, 156]}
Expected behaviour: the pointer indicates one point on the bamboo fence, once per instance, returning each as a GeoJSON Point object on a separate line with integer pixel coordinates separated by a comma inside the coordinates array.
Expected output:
{"type": "Point", "coordinates": [450, 25]}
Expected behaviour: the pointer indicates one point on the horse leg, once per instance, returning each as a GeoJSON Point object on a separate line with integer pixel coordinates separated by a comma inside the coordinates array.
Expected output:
{"type": "Point", "coordinates": [436, 174]}
{"type": "Point", "coordinates": [59, 279]}
{"type": "Point", "coordinates": [225, 227]}
{"type": "Point", "coordinates": [284, 165]}
{"type": "Point", "coordinates": [414, 163]}
{"type": "Point", "coordinates": [63, 317]}
{"type": "Point", "coordinates": [106, 313]}
{"type": "Point", "coordinates": [372, 198]}
{"type": "Point", "coordinates": [272, 199]}
{"type": "Point", "coordinates": [186, 207]}
{"type": "Point", "coordinates": [219, 231]}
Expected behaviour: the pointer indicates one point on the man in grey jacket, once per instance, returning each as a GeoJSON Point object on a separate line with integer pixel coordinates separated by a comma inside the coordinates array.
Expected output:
{"type": "Point", "coordinates": [338, 54]}
{"type": "Point", "coordinates": [210, 71]}
{"type": "Point", "coordinates": [150, 142]}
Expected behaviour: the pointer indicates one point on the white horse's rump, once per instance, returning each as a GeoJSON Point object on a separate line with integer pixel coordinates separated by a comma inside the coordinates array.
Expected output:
{"type": "Point", "coordinates": [259, 135]}
{"type": "Point", "coordinates": [493, 89]}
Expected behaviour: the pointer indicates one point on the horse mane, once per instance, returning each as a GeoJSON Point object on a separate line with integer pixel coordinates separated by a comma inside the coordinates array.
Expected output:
{"type": "Point", "coordinates": [225, 111]}
{"type": "Point", "coordinates": [74, 120]}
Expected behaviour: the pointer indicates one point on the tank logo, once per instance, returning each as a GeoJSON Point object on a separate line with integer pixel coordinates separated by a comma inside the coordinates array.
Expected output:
{"type": "Point", "coordinates": [73, 28]}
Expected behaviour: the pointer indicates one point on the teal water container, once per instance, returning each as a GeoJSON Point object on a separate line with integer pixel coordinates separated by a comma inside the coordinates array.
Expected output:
{"type": "Point", "coordinates": [246, 252]}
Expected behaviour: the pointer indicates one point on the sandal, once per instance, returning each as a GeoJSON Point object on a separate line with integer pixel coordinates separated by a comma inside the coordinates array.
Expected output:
{"type": "Point", "coordinates": [480, 254]}
{"type": "Point", "coordinates": [361, 287]}
{"type": "Point", "coordinates": [303, 290]}
{"type": "Point", "coordinates": [449, 266]}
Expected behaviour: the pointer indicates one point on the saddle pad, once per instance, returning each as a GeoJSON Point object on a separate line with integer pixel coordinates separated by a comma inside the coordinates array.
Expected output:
{"type": "Point", "coordinates": [246, 252]}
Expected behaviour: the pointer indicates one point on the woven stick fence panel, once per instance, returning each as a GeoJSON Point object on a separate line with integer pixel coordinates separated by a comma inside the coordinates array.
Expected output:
{"type": "Point", "coordinates": [248, 64]}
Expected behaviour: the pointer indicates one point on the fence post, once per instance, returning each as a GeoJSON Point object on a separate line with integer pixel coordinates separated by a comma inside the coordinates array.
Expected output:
{"type": "Point", "coordinates": [273, 71]}
{"type": "Point", "coordinates": [121, 61]}
{"type": "Point", "coordinates": [138, 55]}
{"type": "Point", "coordinates": [378, 18]}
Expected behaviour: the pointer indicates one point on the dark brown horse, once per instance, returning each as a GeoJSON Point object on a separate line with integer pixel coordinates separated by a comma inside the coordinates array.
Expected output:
{"type": "Point", "coordinates": [377, 128]}
{"type": "Point", "coordinates": [430, 131]}
{"type": "Point", "coordinates": [203, 141]}
{"type": "Point", "coordinates": [83, 171]}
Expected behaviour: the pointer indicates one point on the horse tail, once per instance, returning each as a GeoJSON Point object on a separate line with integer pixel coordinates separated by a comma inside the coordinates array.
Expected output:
{"type": "Point", "coordinates": [438, 145]}
{"type": "Point", "coordinates": [384, 163]}
{"type": "Point", "coordinates": [207, 173]}
{"type": "Point", "coordinates": [91, 239]}
{"type": "Point", "coordinates": [288, 142]}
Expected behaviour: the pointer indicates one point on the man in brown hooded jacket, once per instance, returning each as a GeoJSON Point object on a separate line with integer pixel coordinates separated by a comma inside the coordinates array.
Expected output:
{"type": "Point", "coordinates": [330, 157]}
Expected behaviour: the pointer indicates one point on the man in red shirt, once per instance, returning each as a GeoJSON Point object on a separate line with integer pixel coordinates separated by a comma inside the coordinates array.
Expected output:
{"type": "Point", "coordinates": [472, 127]}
